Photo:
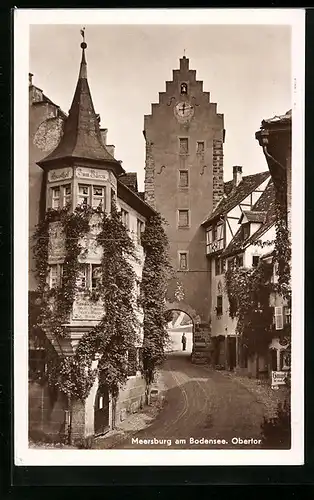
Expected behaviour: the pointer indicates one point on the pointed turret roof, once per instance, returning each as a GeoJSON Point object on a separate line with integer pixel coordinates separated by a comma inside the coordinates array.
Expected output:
{"type": "Point", "coordinates": [81, 136]}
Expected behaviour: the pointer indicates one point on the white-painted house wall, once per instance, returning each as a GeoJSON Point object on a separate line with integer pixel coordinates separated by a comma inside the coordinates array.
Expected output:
{"type": "Point", "coordinates": [224, 324]}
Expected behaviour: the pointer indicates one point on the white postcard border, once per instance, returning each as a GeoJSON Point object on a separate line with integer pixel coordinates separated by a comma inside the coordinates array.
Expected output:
{"type": "Point", "coordinates": [22, 20]}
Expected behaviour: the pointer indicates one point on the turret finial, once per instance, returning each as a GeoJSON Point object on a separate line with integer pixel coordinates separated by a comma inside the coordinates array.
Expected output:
{"type": "Point", "coordinates": [83, 44]}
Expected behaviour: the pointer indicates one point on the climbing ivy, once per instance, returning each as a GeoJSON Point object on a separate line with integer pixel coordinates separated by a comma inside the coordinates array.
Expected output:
{"type": "Point", "coordinates": [155, 276]}
{"type": "Point", "coordinates": [115, 333]}
{"type": "Point", "coordinates": [249, 293]}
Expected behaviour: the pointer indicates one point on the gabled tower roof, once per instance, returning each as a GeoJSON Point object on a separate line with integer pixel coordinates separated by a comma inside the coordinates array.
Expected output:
{"type": "Point", "coordinates": [81, 138]}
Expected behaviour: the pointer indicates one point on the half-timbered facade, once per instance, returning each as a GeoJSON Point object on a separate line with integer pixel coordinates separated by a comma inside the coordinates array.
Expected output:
{"type": "Point", "coordinates": [245, 215]}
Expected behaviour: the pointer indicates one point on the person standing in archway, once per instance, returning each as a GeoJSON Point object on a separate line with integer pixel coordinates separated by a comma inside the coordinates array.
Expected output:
{"type": "Point", "coordinates": [183, 340]}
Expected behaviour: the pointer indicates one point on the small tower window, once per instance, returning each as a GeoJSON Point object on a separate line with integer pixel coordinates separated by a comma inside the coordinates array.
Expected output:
{"type": "Point", "coordinates": [99, 197]}
{"type": "Point", "coordinates": [184, 88]}
{"type": "Point", "coordinates": [184, 145]}
{"type": "Point", "coordinates": [55, 197]}
{"type": "Point", "coordinates": [183, 218]}
{"type": "Point", "coordinates": [184, 178]}
{"type": "Point", "coordinates": [83, 198]}
{"type": "Point", "coordinates": [183, 261]}
{"type": "Point", "coordinates": [66, 195]}
{"type": "Point", "coordinates": [200, 147]}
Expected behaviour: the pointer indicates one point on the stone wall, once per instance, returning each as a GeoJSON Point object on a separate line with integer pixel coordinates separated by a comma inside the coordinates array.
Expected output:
{"type": "Point", "coordinates": [131, 398]}
{"type": "Point", "coordinates": [163, 129]}
{"type": "Point", "coordinates": [46, 413]}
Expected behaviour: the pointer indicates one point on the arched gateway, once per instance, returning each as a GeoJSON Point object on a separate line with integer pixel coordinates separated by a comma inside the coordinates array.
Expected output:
{"type": "Point", "coordinates": [201, 350]}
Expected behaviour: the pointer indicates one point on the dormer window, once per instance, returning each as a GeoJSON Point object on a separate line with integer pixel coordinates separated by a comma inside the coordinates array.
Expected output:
{"type": "Point", "coordinates": [184, 88]}
{"type": "Point", "coordinates": [246, 230]}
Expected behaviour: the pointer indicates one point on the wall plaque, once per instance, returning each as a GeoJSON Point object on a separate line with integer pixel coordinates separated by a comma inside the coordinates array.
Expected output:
{"type": "Point", "coordinates": [92, 173]}
{"type": "Point", "coordinates": [85, 309]}
{"type": "Point", "coordinates": [56, 248]}
{"type": "Point", "coordinates": [60, 174]}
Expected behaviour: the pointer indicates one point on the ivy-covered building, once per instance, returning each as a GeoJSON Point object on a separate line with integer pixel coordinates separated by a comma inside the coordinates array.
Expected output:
{"type": "Point", "coordinates": [238, 233]}
{"type": "Point", "coordinates": [87, 223]}
{"type": "Point", "coordinates": [275, 138]}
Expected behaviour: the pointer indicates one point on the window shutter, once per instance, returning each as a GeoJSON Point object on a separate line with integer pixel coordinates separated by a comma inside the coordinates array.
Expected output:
{"type": "Point", "coordinates": [279, 318]}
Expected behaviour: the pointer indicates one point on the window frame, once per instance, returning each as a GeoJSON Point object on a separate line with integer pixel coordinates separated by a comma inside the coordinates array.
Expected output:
{"type": "Point", "coordinates": [90, 196]}
{"type": "Point", "coordinates": [125, 217]}
{"type": "Point", "coordinates": [219, 308]}
{"type": "Point", "coordinates": [93, 267]}
{"type": "Point", "coordinates": [258, 257]}
{"type": "Point", "coordinates": [61, 201]}
{"type": "Point", "coordinates": [186, 254]}
{"type": "Point", "coordinates": [184, 85]}
{"type": "Point", "coordinates": [246, 230]}
{"type": "Point", "coordinates": [101, 198]}
{"type": "Point", "coordinates": [181, 140]}
{"type": "Point", "coordinates": [201, 152]}
{"type": "Point", "coordinates": [215, 237]}
{"type": "Point", "coordinates": [184, 171]}
{"type": "Point", "coordinates": [139, 230]}
{"type": "Point", "coordinates": [187, 211]}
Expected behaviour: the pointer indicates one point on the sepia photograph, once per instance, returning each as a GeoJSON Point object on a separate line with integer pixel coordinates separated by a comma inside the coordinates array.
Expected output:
{"type": "Point", "coordinates": [158, 237]}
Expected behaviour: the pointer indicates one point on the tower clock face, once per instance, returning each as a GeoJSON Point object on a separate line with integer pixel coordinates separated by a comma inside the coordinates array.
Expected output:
{"type": "Point", "coordinates": [183, 111]}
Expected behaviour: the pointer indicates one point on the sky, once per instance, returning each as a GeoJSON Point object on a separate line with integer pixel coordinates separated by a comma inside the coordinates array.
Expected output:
{"type": "Point", "coordinates": [246, 69]}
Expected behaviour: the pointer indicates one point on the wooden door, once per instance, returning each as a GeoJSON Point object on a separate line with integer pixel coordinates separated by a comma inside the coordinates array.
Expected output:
{"type": "Point", "coordinates": [101, 411]}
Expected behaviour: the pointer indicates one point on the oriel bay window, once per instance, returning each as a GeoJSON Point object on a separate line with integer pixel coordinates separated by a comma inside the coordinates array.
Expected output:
{"type": "Point", "coordinates": [99, 197]}
{"type": "Point", "coordinates": [92, 195]}
{"type": "Point", "coordinates": [61, 196]}
{"type": "Point", "coordinates": [215, 238]}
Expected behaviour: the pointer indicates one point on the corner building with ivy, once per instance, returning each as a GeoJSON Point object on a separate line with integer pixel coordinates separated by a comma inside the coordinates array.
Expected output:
{"type": "Point", "coordinates": [84, 208]}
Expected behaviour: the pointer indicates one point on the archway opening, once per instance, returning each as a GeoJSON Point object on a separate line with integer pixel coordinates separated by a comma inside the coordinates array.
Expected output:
{"type": "Point", "coordinates": [180, 326]}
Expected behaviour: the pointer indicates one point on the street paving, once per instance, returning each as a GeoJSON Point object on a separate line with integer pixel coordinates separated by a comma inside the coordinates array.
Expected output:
{"type": "Point", "coordinates": [201, 403]}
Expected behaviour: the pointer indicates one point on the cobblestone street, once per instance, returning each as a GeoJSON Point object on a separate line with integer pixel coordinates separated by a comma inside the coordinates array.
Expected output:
{"type": "Point", "coordinates": [201, 403]}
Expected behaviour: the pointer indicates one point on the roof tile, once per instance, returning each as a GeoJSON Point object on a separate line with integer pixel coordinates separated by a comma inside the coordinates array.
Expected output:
{"type": "Point", "coordinates": [234, 195]}
{"type": "Point", "coordinates": [266, 204]}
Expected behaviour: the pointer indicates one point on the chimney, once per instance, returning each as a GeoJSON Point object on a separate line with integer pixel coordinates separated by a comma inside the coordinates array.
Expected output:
{"type": "Point", "coordinates": [237, 175]}
{"type": "Point", "coordinates": [103, 132]}
{"type": "Point", "coordinates": [30, 79]}
{"type": "Point", "coordinates": [110, 149]}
